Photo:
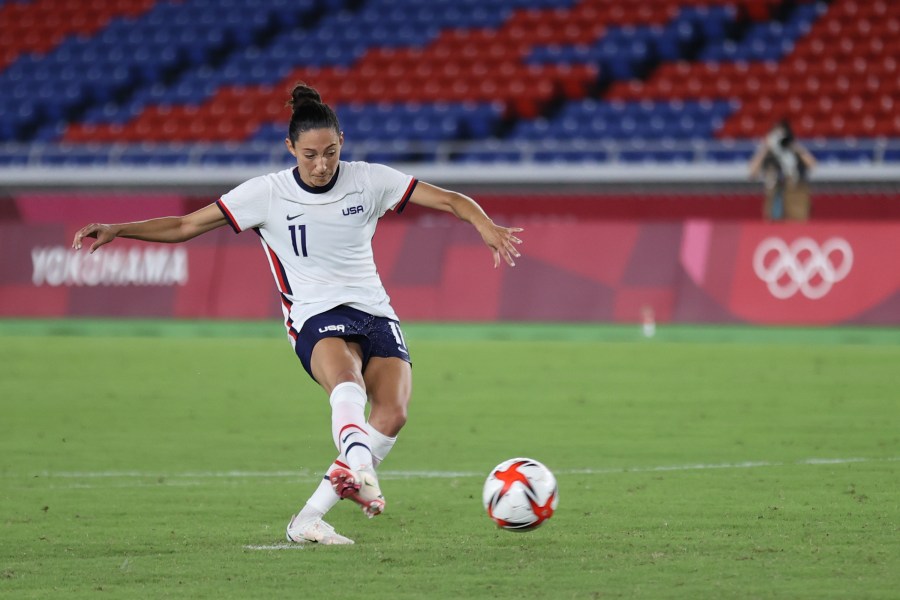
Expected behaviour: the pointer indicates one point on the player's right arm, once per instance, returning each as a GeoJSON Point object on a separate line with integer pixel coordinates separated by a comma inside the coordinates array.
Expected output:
{"type": "Point", "coordinates": [169, 230]}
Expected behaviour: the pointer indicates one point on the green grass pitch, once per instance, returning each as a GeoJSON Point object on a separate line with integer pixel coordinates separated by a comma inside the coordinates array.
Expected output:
{"type": "Point", "coordinates": [163, 460]}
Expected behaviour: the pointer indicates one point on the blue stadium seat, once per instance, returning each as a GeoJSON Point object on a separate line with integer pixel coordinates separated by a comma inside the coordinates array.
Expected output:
{"type": "Point", "coordinates": [730, 152]}
{"type": "Point", "coordinates": [155, 156]}
{"type": "Point", "coordinates": [570, 151]}
{"type": "Point", "coordinates": [184, 52]}
{"type": "Point", "coordinates": [847, 152]}
{"type": "Point", "coordinates": [234, 155]}
{"type": "Point", "coordinates": [75, 156]}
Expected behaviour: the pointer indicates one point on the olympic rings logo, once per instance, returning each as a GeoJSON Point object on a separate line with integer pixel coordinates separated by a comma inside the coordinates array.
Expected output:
{"type": "Point", "coordinates": [803, 267]}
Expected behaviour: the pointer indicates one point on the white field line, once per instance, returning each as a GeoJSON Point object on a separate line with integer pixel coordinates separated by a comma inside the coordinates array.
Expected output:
{"type": "Point", "coordinates": [196, 477]}
{"type": "Point", "coordinates": [282, 546]}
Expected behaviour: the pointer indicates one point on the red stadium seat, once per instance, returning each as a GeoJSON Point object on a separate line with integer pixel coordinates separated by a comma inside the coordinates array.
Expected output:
{"type": "Point", "coordinates": [840, 78]}
{"type": "Point", "coordinates": [41, 25]}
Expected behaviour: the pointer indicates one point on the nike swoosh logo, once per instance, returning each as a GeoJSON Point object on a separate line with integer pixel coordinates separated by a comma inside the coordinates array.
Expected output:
{"type": "Point", "coordinates": [291, 218]}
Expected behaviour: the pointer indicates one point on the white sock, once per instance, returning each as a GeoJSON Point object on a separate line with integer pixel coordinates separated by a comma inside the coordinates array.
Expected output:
{"type": "Point", "coordinates": [380, 444]}
{"type": "Point", "coordinates": [324, 498]}
{"type": "Point", "coordinates": [348, 424]}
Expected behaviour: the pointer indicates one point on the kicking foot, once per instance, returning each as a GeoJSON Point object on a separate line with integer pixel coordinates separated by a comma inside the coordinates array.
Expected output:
{"type": "Point", "coordinates": [314, 530]}
{"type": "Point", "coordinates": [361, 487]}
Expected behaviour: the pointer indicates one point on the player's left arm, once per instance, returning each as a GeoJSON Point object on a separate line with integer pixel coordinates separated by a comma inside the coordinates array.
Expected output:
{"type": "Point", "coordinates": [501, 240]}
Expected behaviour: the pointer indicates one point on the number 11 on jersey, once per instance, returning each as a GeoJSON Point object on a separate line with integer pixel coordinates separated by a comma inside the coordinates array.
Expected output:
{"type": "Point", "coordinates": [293, 229]}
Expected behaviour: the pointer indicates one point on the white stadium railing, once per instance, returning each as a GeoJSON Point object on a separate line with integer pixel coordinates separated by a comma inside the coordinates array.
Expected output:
{"type": "Point", "coordinates": [452, 163]}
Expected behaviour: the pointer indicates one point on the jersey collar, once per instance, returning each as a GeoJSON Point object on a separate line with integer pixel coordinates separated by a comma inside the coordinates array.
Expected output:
{"type": "Point", "coordinates": [316, 190]}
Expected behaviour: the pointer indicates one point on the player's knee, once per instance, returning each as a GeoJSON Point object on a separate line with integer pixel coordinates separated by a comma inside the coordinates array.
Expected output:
{"type": "Point", "coordinates": [398, 420]}
{"type": "Point", "coordinates": [390, 422]}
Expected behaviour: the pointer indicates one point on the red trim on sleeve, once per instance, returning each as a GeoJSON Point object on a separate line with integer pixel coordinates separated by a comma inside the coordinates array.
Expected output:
{"type": "Point", "coordinates": [407, 195]}
{"type": "Point", "coordinates": [228, 216]}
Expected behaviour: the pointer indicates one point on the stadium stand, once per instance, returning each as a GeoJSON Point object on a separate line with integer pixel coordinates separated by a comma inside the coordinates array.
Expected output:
{"type": "Point", "coordinates": [176, 82]}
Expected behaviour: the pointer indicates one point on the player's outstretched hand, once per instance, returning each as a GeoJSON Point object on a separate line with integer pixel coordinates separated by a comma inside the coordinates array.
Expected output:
{"type": "Point", "coordinates": [104, 234]}
{"type": "Point", "coordinates": [502, 241]}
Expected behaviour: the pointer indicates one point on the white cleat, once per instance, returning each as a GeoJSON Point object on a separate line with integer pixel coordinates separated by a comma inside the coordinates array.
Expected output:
{"type": "Point", "coordinates": [361, 487]}
{"type": "Point", "coordinates": [314, 530]}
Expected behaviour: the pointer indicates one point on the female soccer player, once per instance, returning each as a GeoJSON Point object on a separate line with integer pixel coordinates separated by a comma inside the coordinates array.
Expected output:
{"type": "Point", "coordinates": [316, 223]}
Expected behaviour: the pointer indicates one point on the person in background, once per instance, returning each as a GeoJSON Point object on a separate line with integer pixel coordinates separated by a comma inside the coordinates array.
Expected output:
{"type": "Point", "coordinates": [784, 166]}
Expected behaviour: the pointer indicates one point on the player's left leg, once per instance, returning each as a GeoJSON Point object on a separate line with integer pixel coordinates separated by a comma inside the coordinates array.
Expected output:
{"type": "Point", "coordinates": [389, 385]}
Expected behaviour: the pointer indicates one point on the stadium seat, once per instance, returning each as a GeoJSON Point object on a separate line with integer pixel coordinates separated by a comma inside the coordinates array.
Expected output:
{"type": "Point", "coordinates": [654, 77]}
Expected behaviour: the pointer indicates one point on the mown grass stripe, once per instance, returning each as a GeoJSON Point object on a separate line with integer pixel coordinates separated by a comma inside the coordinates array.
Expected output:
{"type": "Point", "coordinates": [447, 331]}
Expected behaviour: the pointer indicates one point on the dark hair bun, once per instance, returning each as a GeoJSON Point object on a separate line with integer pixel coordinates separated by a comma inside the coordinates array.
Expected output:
{"type": "Point", "coordinates": [308, 112]}
{"type": "Point", "coordinates": [302, 94]}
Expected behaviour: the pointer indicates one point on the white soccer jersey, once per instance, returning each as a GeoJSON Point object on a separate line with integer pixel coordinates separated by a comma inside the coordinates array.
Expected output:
{"type": "Point", "coordinates": [319, 240]}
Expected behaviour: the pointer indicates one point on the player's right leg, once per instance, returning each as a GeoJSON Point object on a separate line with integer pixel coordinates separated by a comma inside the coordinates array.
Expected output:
{"type": "Point", "coordinates": [389, 384]}
{"type": "Point", "coordinates": [336, 364]}
{"type": "Point", "coordinates": [359, 485]}
{"type": "Point", "coordinates": [388, 381]}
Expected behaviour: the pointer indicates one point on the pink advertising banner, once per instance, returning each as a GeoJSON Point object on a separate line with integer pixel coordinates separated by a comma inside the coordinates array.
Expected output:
{"type": "Point", "coordinates": [437, 269]}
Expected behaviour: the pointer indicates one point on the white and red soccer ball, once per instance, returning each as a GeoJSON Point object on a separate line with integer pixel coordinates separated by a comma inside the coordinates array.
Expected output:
{"type": "Point", "coordinates": [520, 494]}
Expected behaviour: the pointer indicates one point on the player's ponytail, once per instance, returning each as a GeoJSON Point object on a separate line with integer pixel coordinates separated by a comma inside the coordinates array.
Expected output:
{"type": "Point", "coordinates": [309, 112]}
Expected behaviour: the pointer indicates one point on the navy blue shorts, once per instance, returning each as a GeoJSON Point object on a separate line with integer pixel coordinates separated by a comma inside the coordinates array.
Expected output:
{"type": "Point", "coordinates": [377, 336]}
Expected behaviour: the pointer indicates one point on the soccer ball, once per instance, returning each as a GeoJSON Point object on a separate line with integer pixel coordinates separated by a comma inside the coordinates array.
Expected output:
{"type": "Point", "coordinates": [520, 494]}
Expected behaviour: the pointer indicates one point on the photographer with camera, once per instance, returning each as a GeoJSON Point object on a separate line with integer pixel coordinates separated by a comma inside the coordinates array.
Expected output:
{"type": "Point", "coordinates": [784, 166]}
